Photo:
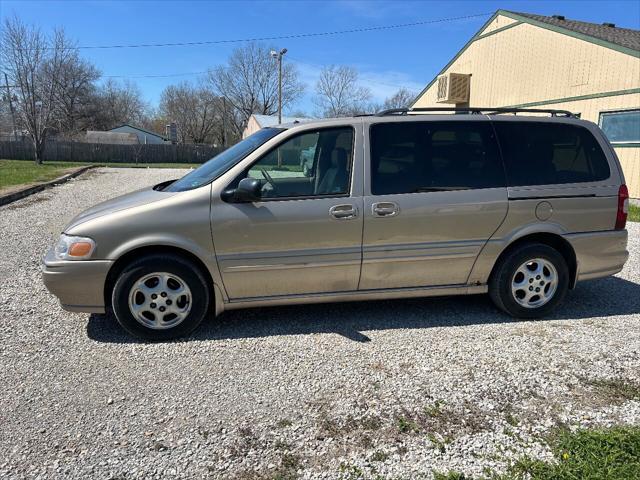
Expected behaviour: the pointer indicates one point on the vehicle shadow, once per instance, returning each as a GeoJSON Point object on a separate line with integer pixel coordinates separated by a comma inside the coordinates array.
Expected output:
{"type": "Point", "coordinates": [606, 297]}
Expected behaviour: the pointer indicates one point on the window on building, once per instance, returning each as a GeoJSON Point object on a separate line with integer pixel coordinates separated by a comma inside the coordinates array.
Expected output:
{"type": "Point", "coordinates": [621, 127]}
{"type": "Point", "coordinates": [550, 153]}
{"type": "Point", "coordinates": [412, 157]}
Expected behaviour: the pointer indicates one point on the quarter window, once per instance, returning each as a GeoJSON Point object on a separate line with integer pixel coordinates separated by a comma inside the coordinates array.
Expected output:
{"type": "Point", "coordinates": [550, 153]}
{"type": "Point", "coordinates": [621, 127]}
{"type": "Point", "coordinates": [413, 157]}
{"type": "Point", "coordinates": [314, 163]}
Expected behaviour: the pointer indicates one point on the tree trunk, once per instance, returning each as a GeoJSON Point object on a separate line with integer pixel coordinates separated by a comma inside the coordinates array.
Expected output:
{"type": "Point", "coordinates": [39, 151]}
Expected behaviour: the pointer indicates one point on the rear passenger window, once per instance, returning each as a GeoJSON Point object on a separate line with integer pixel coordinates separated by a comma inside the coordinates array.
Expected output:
{"type": "Point", "coordinates": [550, 153]}
{"type": "Point", "coordinates": [412, 157]}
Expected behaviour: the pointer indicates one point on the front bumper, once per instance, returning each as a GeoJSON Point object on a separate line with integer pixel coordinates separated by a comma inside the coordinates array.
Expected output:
{"type": "Point", "coordinates": [78, 284]}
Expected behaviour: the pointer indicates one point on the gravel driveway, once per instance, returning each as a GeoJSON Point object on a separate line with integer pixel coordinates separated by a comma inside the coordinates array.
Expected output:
{"type": "Point", "coordinates": [391, 388]}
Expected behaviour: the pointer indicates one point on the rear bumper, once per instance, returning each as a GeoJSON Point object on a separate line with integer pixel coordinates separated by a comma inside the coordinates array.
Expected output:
{"type": "Point", "coordinates": [78, 284]}
{"type": "Point", "coordinates": [599, 254]}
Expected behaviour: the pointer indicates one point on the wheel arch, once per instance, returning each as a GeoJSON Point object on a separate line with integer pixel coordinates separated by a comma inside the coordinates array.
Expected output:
{"type": "Point", "coordinates": [126, 258]}
{"type": "Point", "coordinates": [554, 241]}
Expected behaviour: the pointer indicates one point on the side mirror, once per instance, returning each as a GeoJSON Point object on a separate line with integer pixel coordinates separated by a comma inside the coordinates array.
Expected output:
{"type": "Point", "coordinates": [248, 190]}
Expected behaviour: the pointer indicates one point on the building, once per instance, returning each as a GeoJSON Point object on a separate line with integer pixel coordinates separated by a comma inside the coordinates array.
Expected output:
{"type": "Point", "coordinates": [256, 122]}
{"type": "Point", "coordinates": [144, 136]}
{"type": "Point", "coordinates": [111, 138]}
{"type": "Point", "coordinates": [534, 61]}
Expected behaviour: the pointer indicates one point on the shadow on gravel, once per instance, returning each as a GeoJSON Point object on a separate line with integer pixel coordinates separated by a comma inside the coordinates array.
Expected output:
{"type": "Point", "coordinates": [611, 296]}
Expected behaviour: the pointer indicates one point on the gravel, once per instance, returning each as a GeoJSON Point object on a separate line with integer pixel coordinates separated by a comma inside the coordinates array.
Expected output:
{"type": "Point", "coordinates": [390, 388]}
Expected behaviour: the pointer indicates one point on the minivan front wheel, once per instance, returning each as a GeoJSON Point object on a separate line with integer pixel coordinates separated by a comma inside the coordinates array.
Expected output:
{"type": "Point", "coordinates": [530, 281]}
{"type": "Point", "coordinates": [160, 297]}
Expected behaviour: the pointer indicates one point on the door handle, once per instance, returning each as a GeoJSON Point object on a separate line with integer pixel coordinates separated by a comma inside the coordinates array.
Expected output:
{"type": "Point", "coordinates": [343, 212]}
{"type": "Point", "coordinates": [385, 209]}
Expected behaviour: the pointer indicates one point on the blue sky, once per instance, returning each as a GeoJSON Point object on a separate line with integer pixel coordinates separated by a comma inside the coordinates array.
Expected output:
{"type": "Point", "coordinates": [386, 59]}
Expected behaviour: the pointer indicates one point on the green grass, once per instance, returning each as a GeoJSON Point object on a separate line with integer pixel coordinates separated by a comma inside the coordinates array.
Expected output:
{"type": "Point", "coordinates": [606, 454]}
{"type": "Point", "coordinates": [21, 172]}
{"type": "Point", "coordinates": [634, 213]}
{"type": "Point", "coordinates": [17, 172]}
{"type": "Point", "coordinates": [612, 454]}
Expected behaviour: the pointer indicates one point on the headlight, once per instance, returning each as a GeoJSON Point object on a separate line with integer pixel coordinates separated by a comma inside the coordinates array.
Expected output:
{"type": "Point", "coordinates": [74, 248]}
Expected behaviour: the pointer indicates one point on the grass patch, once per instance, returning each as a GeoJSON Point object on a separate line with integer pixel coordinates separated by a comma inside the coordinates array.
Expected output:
{"type": "Point", "coordinates": [634, 213]}
{"type": "Point", "coordinates": [612, 454]}
{"type": "Point", "coordinates": [23, 172]}
{"type": "Point", "coordinates": [17, 172]}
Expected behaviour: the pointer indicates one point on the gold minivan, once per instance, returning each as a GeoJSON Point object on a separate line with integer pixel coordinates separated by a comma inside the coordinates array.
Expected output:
{"type": "Point", "coordinates": [393, 205]}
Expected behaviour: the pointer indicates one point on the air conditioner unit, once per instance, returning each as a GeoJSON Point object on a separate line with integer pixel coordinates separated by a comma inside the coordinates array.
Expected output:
{"type": "Point", "coordinates": [453, 88]}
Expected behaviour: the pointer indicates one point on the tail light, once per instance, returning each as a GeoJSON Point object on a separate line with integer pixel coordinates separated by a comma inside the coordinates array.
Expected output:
{"type": "Point", "coordinates": [623, 207]}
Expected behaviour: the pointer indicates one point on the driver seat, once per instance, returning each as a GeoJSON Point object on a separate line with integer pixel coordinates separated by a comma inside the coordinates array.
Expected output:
{"type": "Point", "coordinates": [336, 177]}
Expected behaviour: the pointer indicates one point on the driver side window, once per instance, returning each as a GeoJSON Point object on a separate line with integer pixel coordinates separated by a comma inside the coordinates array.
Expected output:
{"type": "Point", "coordinates": [313, 163]}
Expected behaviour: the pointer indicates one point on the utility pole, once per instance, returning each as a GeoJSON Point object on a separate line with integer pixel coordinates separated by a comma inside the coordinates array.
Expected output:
{"type": "Point", "coordinates": [13, 115]}
{"type": "Point", "coordinates": [278, 56]}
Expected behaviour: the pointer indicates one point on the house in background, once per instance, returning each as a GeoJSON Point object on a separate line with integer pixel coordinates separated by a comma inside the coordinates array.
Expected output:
{"type": "Point", "coordinates": [111, 138]}
{"type": "Point", "coordinates": [144, 136]}
{"type": "Point", "coordinates": [256, 122]}
{"type": "Point", "coordinates": [533, 61]}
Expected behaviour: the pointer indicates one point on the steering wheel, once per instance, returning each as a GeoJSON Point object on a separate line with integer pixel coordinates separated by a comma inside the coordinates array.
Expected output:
{"type": "Point", "coordinates": [268, 177]}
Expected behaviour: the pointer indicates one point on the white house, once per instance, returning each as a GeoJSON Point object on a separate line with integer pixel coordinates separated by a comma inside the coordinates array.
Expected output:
{"type": "Point", "coordinates": [256, 122]}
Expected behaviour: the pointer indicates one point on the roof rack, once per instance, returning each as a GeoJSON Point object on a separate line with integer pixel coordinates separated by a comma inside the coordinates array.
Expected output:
{"type": "Point", "coordinates": [476, 111]}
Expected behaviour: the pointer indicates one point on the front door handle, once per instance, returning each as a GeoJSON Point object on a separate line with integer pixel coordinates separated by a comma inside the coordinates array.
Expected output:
{"type": "Point", "coordinates": [385, 209]}
{"type": "Point", "coordinates": [343, 212]}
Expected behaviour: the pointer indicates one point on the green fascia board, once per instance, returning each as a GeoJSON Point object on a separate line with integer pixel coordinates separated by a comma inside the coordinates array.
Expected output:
{"type": "Point", "coordinates": [614, 93]}
{"type": "Point", "coordinates": [625, 145]}
{"type": "Point", "coordinates": [498, 30]}
{"type": "Point", "coordinates": [570, 33]}
{"type": "Point", "coordinates": [519, 21]}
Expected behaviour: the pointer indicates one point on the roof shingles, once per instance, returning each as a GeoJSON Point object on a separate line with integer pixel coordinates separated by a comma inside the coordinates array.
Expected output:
{"type": "Point", "coordinates": [624, 37]}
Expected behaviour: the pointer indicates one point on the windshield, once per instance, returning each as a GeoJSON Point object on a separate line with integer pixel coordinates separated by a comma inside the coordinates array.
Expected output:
{"type": "Point", "coordinates": [223, 161]}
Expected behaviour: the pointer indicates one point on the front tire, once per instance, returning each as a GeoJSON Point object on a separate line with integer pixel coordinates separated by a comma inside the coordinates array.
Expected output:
{"type": "Point", "coordinates": [529, 281]}
{"type": "Point", "coordinates": [160, 297]}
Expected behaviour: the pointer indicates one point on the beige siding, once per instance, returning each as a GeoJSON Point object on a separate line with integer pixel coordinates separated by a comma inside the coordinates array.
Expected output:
{"type": "Point", "coordinates": [630, 161]}
{"type": "Point", "coordinates": [528, 64]}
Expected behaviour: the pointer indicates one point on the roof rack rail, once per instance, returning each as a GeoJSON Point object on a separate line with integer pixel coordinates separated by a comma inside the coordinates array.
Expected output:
{"type": "Point", "coordinates": [476, 110]}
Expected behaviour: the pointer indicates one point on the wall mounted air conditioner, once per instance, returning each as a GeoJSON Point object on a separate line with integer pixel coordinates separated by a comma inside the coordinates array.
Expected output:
{"type": "Point", "coordinates": [453, 88]}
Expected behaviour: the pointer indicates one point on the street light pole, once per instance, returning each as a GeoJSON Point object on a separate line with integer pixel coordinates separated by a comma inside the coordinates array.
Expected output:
{"type": "Point", "coordinates": [278, 56]}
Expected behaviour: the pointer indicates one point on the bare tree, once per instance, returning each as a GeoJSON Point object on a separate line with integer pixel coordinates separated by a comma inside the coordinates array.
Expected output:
{"type": "Point", "coordinates": [403, 98]}
{"type": "Point", "coordinates": [249, 83]}
{"type": "Point", "coordinates": [75, 95]}
{"type": "Point", "coordinates": [195, 109]}
{"type": "Point", "coordinates": [33, 64]}
{"type": "Point", "coordinates": [338, 93]}
{"type": "Point", "coordinates": [117, 103]}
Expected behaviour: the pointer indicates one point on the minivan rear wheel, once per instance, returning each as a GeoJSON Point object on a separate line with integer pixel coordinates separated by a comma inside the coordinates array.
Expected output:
{"type": "Point", "coordinates": [529, 281]}
{"type": "Point", "coordinates": [160, 297]}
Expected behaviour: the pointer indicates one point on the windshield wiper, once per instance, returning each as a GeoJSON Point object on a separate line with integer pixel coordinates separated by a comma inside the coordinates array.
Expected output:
{"type": "Point", "coordinates": [438, 189]}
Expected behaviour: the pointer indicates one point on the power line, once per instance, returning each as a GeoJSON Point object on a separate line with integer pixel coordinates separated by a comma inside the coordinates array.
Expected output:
{"type": "Point", "coordinates": [285, 37]}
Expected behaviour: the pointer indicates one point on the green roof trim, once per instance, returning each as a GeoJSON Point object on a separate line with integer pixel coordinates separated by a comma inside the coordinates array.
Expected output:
{"type": "Point", "coordinates": [497, 30]}
{"type": "Point", "coordinates": [625, 145]}
{"type": "Point", "coordinates": [519, 21]}
{"type": "Point", "coordinates": [577, 98]}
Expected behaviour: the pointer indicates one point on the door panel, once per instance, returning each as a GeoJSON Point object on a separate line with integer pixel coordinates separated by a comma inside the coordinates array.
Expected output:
{"type": "Point", "coordinates": [284, 245]}
{"type": "Point", "coordinates": [435, 194]}
{"type": "Point", "coordinates": [433, 239]}
{"type": "Point", "coordinates": [287, 247]}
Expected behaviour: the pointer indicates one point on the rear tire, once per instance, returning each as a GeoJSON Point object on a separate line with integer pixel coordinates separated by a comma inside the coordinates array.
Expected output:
{"type": "Point", "coordinates": [160, 297]}
{"type": "Point", "coordinates": [529, 281]}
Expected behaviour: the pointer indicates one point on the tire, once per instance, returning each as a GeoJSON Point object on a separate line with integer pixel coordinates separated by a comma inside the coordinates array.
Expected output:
{"type": "Point", "coordinates": [531, 266]}
{"type": "Point", "coordinates": [156, 282]}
